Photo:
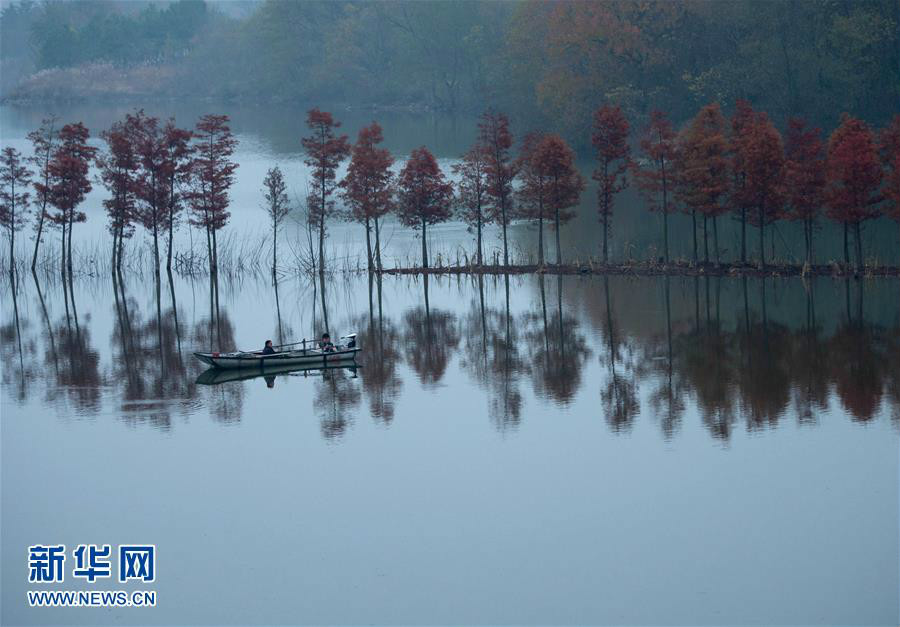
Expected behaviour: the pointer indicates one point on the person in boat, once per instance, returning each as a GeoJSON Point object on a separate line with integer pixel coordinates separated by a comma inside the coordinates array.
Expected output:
{"type": "Point", "coordinates": [325, 344]}
{"type": "Point", "coordinates": [268, 349]}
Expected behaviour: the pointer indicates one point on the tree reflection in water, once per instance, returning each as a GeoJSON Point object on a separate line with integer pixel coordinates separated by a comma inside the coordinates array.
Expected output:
{"type": "Point", "coordinates": [731, 350]}
{"type": "Point", "coordinates": [557, 349]}
{"type": "Point", "coordinates": [381, 356]}
{"type": "Point", "coordinates": [619, 393]}
{"type": "Point", "coordinates": [430, 337]}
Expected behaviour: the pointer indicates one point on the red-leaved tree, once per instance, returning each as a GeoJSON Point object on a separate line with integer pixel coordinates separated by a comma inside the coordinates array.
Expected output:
{"type": "Point", "coordinates": [69, 183]}
{"type": "Point", "coordinates": [425, 196]}
{"type": "Point", "coordinates": [609, 137]}
{"type": "Point", "coordinates": [554, 161]}
{"type": "Point", "coordinates": [741, 124]}
{"type": "Point", "coordinates": [764, 184]}
{"type": "Point", "coordinates": [804, 176]}
{"type": "Point", "coordinates": [495, 136]}
{"type": "Point", "coordinates": [324, 153]}
{"type": "Point", "coordinates": [15, 178]}
{"type": "Point", "coordinates": [472, 191]}
{"type": "Point", "coordinates": [703, 172]}
{"type": "Point", "coordinates": [177, 166]}
{"type": "Point", "coordinates": [889, 149]}
{"type": "Point", "coordinates": [212, 174]}
{"type": "Point", "coordinates": [532, 193]}
{"type": "Point", "coordinates": [854, 176]}
{"type": "Point", "coordinates": [368, 186]}
{"type": "Point", "coordinates": [655, 179]}
{"type": "Point", "coordinates": [119, 165]}
{"type": "Point", "coordinates": [43, 140]}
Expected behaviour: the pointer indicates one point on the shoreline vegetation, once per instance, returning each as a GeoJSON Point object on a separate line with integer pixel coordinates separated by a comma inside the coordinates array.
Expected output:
{"type": "Point", "coordinates": [161, 178]}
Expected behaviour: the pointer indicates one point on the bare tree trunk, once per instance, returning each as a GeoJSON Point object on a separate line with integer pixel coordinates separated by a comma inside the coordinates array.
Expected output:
{"type": "Point", "coordinates": [478, 237]}
{"type": "Point", "coordinates": [40, 232]}
{"type": "Point", "coordinates": [694, 231]}
{"type": "Point", "coordinates": [377, 244]}
{"type": "Point", "coordinates": [69, 247]}
{"type": "Point", "coordinates": [859, 251]}
{"type": "Point", "coordinates": [541, 239]}
{"type": "Point", "coordinates": [605, 237]}
{"type": "Point", "coordinates": [558, 247]}
{"type": "Point", "coordinates": [743, 235]}
{"type": "Point", "coordinates": [424, 245]}
{"type": "Point", "coordinates": [369, 243]}
{"type": "Point", "coordinates": [171, 232]}
{"type": "Point", "coordinates": [705, 238]}
{"type": "Point", "coordinates": [846, 245]}
{"type": "Point", "coordinates": [716, 237]}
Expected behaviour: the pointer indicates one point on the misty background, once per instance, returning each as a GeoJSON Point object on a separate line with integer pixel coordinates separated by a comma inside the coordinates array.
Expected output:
{"type": "Point", "coordinates": [547, 64]}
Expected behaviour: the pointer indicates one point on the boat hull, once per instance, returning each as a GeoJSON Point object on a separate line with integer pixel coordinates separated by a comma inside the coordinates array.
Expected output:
{"type": "Point", "coordinates": [217, 376]}
{"type": "Point", "coordinates": [235, 361]}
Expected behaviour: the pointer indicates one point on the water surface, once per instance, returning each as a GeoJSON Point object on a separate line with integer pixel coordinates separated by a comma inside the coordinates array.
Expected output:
{"type": "Point", "coordinates": [522, 450]}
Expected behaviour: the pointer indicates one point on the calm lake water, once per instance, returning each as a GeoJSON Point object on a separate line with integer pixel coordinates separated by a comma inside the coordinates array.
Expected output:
{"type": "Point", "coordinates": [578, 451]}
{"type": "Point", "coordinates": [521, 450]}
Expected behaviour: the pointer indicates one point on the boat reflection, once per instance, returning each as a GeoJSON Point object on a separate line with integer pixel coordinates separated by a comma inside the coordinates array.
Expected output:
{"type": "Point", "coordinates": [218, 376]}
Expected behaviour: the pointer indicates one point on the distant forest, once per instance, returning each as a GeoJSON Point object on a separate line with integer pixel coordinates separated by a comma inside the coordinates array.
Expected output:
{"type": "Point", "coordinates": [546, 63]}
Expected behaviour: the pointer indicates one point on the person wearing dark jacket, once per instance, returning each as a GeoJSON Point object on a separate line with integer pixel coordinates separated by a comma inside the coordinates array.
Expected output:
{"type": "Point", "coordinates": [326, 344]}
{"type": "Point", "coordinates": [268, 349]}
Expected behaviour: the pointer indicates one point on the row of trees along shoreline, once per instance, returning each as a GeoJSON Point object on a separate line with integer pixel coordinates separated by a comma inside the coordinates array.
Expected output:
{"type": "Point", "coordinates": [158, 175]}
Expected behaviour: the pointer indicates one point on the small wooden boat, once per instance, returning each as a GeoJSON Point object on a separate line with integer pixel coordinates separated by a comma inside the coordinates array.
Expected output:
{"type": "Point", "coordinates": [216, 376]}
{"type": "Point", "coordinates": [308, 354]}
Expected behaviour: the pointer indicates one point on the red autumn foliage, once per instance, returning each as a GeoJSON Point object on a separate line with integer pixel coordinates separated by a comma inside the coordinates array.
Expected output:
{"type": "Point", "coordinates": [656, 179]}
{"type": "Point", "coordinates": [554, 162]}
{"type": "Point", "coordinates": [764, 183]}
{"type": "Point", "coordinates": [324, 153]}
{"type": "Point", "coordinates": [368, 187]}
{"type": "Point", "coordinates": [425, 196]}
{"type": "Point", "coordinates": [119, 165]}
{"type": "Point", "coordinates": [15, 177]}
{"type": "Point", "coordinates": [610, 140]}
{"type": "Point", "coordinates": [69, 182]}
{"type": "Point", "coordinates": [703, 170]}
{"type": "Point", "coordinates": [532, 193]}
{"type": "Point", "coordinates": [854, 175]}
{"type": "Point", "coordinates": [804, 174]}
{"type": "Point", "coordinates": [741, 122]}
{"type": "Point", "coordinates": [43, 140]}
{"type": "Point", "coordinates": [473, 195]}
{"type": "Point", "coordinates": [211, 177]}
{"type": "Point", "coordinates": [495, 136]}
{"type": "Point", "coordinates": [178, 162]}
{"type": "Point", "coordinates": [889, 149]}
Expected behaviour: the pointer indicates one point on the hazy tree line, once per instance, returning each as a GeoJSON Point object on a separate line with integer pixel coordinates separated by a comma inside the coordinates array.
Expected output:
{"type": "Point", "coordinates": [158, 175]}
{"type": "Point", "coordinates": [549, 64]}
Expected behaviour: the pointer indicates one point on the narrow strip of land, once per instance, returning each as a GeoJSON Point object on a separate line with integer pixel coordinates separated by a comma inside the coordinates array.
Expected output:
{"type": "Point", "coordinates": [645, 268]}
